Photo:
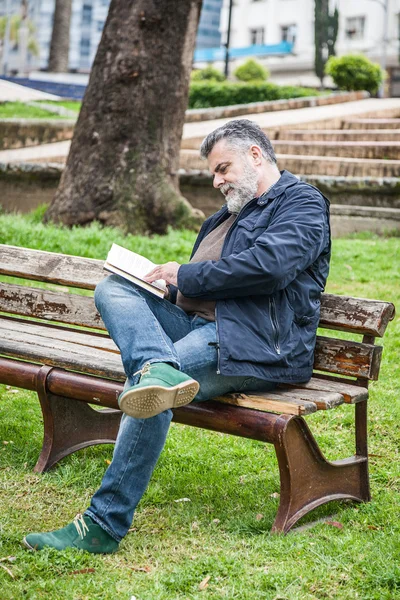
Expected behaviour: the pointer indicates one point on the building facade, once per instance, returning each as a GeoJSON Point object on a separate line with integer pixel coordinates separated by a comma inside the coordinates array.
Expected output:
{"type": "Point", "coordinates": [361, 29]}
{"type": "Point", "coordinates": [87, 22]}
{"type": "Point", "coordinates": [208, 33]}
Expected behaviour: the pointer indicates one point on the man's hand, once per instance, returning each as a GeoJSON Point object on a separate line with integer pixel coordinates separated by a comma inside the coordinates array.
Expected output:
{"type": "Point", "coordinates": [169, 272]}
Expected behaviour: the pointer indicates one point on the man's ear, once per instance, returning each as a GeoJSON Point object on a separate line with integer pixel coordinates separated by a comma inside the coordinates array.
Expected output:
{"type": "Point", "coordinates": [256, 154]}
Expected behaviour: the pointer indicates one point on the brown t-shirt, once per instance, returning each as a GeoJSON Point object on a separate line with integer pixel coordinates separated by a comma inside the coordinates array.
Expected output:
{"type": "Point", "coordinates": [209, 249]}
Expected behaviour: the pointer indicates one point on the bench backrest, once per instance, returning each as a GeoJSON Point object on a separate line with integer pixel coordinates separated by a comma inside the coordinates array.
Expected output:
{"type": "Point", "coordinates": [348, 358]}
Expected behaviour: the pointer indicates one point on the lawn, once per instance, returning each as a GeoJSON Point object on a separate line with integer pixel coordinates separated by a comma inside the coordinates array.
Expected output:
{"type": "Point", "coordinates": [20, 110]}
{"type": "Point", "coordinates": [221, 535]}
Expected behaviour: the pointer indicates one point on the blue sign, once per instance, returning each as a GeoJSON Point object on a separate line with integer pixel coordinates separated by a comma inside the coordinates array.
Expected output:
{"type": "Point", "coordinates": [213, 54]}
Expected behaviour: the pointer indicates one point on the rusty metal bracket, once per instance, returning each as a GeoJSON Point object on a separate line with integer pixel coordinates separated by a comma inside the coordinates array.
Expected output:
{"type": "Point", "coordinates": [70, 424]}
{"type": "Point", "coordinates": [308, 479]}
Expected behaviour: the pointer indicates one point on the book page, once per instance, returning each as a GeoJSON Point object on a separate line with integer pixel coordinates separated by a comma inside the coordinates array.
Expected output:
{"type": "Point", "coordinates": [132, 263]}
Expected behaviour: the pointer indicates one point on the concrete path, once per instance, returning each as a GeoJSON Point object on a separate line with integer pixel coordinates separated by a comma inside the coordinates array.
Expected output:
{"type": "Point", "coordinates": [200, 130]}
{"type": "Point", "coordinates": [34, 153]}
{"type": "Point", "coordinates": [11, 92]}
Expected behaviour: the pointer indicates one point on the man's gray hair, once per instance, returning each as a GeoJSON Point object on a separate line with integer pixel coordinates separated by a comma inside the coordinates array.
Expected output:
{"type": "Point", "coordinates": [241, 134]}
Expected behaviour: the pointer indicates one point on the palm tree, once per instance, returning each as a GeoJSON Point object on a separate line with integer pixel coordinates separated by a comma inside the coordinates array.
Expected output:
{"type": "Point", "coordinates": [16, 22]}
{"type": "Point", "coordinates": [59, 46]}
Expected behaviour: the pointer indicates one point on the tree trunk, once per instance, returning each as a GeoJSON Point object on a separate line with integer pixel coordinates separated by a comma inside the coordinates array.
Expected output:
{"type": "Point", "coordinates": [59, 47]}
{"type": "Point", "coordinates": [326, 28]}
{"type": "Point", "coordinates": [124, 159]}
{"type": "Point", "coordinates": [321, 10]}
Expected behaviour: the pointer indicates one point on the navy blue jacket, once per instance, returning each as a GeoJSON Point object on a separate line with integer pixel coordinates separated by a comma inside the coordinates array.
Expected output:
{"type": "Point", "coordinates": [268, 282]}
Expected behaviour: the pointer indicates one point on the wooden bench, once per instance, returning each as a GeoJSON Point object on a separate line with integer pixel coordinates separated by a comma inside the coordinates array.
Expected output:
{"type": "Point", "coordinates": [53, 341]}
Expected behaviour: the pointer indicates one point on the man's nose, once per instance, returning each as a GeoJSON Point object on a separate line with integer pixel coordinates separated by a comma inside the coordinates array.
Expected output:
{"type": "Point", "coordinates": [218, 180]}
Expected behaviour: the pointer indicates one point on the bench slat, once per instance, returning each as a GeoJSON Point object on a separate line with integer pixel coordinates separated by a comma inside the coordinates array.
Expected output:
{"type": "Point", "coordinates": [324, 400]}
{"type": "Point", "coordinates": [60, 353]}
{"type": "Point", "coordinates": [333, 356]}
{"type": "Point", "coordinates": [53, 306]}
{"type": "Point", "coordinates": [343, 357]}
{"type": "Point", "coordinates": [359, 315]}
{"type": "Point", "coordinates": [51, 267]}
{"type": "Point", "coordinates": [351, 393]}
{"type": "Point", "coordinates": [82, 338]}
{"type": "Point", "coordinates": [356, 315]}
{"type": "Point", "coordinates": [270, 402]}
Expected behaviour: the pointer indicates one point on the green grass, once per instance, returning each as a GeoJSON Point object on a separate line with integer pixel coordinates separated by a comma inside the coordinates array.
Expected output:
{"type": "Point", "coordinates": [70, 104]}
{"type": "Point", "coordinates": [19, 110]}
{"type": "Point", "coordinates": [230, 481]}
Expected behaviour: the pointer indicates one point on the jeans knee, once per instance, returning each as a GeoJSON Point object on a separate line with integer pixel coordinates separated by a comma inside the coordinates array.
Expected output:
{"type": "Point", "coordinates": [105, 289]}
{"type": "Point", "coordinates": [101, 292]}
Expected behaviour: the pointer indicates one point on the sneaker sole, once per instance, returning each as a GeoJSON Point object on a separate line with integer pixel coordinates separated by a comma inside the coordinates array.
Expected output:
{"type": "Point", "coordinates": [150, 401]}
{"type": "Point", "coordinates": [27, 545]}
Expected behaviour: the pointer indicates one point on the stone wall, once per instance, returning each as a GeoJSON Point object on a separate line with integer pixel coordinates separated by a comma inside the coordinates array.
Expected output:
{"type": "Point", "coordinates": [18, 133]}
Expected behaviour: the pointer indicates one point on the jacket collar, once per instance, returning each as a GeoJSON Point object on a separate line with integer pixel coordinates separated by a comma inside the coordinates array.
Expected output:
{"type": "Point", "coordinates": [286, 180]}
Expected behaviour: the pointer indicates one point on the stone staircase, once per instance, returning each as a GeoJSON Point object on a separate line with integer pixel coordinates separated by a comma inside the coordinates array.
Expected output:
{"type": "Point", "coordinates": [359, 147]}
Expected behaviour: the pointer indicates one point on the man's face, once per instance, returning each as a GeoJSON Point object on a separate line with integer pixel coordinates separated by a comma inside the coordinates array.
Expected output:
{"type": "Point", "coordinates": [233, 174]}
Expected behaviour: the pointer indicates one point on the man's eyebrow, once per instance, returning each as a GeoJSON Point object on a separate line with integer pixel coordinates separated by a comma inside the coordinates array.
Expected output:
{"type": "Point", "coordinates": [221, 165]}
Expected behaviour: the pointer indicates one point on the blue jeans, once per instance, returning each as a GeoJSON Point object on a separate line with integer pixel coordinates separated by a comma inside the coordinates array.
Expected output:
{"type": "Point", "coordinates": [149, 329]}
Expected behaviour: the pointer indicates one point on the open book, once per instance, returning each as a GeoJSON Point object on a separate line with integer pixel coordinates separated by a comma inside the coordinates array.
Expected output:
{"type": "Point", "coordinates": [133, 267]}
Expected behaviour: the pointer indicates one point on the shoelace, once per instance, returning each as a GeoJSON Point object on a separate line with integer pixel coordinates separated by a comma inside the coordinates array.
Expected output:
{"type": "Point", "coordinates": [80, 525]}
{"type": "Point", "coordinates": [144, 371]}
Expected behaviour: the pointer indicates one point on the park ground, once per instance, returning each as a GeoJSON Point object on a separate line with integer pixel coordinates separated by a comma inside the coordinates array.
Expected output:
{"type": "Point", "coordinates": [216, 544]}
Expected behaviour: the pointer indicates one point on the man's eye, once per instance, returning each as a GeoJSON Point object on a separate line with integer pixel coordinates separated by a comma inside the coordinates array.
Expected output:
{"type": "Point", "coordinates": [223, 170]}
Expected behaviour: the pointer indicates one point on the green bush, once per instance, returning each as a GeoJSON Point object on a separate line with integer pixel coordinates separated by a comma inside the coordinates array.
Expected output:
{"type": "Point", "coordinates": [354, 72]}
{"type": "Point", "coordinates": [207, 74]}
{"type": "Point", "coordinates": [210, 94]}
{"type": "Point", "coordinates": [251, 70]}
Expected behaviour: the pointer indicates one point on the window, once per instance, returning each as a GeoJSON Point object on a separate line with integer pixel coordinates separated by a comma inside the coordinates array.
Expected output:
{"type": "Point", "coordinates": [100, 25]}
{"type": "Point", "coordinates": [86, 14]}
{"type": "Point", "coordinates": [257, 36]}
{"type": "Point", "coordinates": [355, 27]}
{"type": "Point", "coordinates": [85, 46]}
{"type": "Point", "coordinates": [288, 33]}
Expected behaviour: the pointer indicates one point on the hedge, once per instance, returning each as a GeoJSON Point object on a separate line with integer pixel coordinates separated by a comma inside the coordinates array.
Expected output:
{"type": "Point", "coordinates": [226, 93]}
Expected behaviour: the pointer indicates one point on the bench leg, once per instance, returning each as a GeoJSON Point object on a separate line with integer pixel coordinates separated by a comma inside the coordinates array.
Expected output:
{"type": "Point", "coordinates": [308, 479]}
{"type": "Point", "coordinates": [71, 425]}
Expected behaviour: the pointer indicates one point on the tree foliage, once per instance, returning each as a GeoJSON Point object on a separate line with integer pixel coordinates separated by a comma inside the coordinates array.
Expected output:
{"type": "Point", "coordinates": [355, 72]}
{"type": "Point", "coordinates": [209, 73]}
{"type": "Point", "coordinates": [15, 25]}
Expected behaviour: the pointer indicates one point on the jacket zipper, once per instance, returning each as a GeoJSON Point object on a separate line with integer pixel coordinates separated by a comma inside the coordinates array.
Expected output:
{"type": "Point", "coordinates": [217, 345]}
{"type": "Point", "coordinates": [275, 324]}
{"type": "Point", "coordinates": [216, 315]}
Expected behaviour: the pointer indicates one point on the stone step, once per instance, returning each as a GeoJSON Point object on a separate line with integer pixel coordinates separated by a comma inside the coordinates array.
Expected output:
{"type": "Point", "coordinates": [317, 135]}
{"type": "Point", "coordinates": [314, 165]}
{"type": "Point", "coordinates": [371, 123]}
{"type": "Point", "coordinates": [371, 150]}
{"type": "Point", "coordinates": [337, 135]}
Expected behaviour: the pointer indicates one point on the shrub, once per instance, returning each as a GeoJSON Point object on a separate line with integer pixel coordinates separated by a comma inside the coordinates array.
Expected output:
{"type": "Point", "coordinates": [210, 94]}
{"type": "Point", "coordinates": [355, 72]}
{"type": "Point", "coordinates": [251, 70]}
{"type": "Point", "coordinates": [207, 74]}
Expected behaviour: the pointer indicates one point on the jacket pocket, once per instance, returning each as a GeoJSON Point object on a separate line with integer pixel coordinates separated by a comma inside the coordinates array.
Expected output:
{"type": "Point", "coordinates": [275, 324]}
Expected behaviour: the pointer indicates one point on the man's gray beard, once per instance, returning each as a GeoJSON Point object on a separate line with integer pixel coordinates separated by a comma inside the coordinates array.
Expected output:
{"type": "Point", "coordinates": [242, 192]}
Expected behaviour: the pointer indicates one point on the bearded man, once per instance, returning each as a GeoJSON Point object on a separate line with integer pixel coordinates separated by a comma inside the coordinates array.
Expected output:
{"type": "Point", "coordinates": [241, 315]}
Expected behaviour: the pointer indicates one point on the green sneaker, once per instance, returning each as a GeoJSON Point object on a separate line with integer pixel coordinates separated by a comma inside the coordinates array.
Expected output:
{"type": "Point", "coordinates": [160, 387]}
{"type": "Point", "coordinates": [82, 533]}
